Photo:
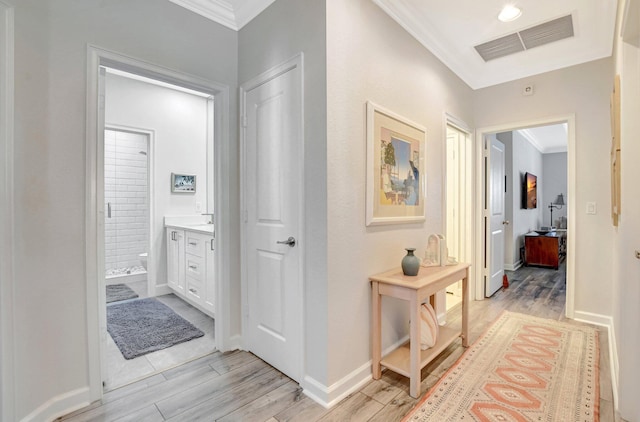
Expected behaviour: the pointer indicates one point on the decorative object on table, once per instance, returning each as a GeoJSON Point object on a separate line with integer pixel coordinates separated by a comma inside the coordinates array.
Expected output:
{"type": "Point", "coordinates": [430, 328]}
{"type": "Point", "coordinates": [437, 253]}
{"type": "Point", "coordinates": [183, 183]}
{"type": "Point", "coordinates": [530, 191]}
{"type": "Point", "coordinates": [410, 263]}
{"type": "Point", "coordinates": [521, 368]}
{"type": "Point", "coordinates": [396, 182]}
{"type": "Point", "coordinates": [558, 204]}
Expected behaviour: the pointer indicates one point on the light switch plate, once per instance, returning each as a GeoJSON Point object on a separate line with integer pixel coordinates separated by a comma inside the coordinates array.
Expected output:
{"type": "Point", "coordinates": [591, 208]}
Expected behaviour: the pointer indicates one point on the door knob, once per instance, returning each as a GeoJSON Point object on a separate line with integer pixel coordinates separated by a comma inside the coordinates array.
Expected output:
{"type": "Point", "coordinates": [505, 222]}
{"type": "Point", "coordinates": [291, 241]}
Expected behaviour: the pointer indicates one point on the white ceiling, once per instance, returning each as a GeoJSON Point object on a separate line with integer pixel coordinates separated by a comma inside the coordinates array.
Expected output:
{"type": "Point", "coordinates": [547, 139]}
{"type": "Point", "coordinates": [451, 28]}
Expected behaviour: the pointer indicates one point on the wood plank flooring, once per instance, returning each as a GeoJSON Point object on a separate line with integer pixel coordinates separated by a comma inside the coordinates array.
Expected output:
{"type": "Point", "coordinates": [237, 386]}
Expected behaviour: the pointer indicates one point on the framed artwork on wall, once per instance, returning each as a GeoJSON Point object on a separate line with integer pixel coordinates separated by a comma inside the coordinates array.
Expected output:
{"type": "Point", "coordinates": [616, 202]}
{"type": "Point", "coordinates": [396, 174]}
{"type": "Point", "coordinates": [530, 191]}
{"type": "Point", "coordinates": [183, 183]}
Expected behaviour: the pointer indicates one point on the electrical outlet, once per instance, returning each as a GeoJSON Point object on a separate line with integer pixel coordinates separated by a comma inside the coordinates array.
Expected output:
{"type": "Point", "coordinates": [591, 208]}
{"type": "Point", "coordinates": [198, 206]}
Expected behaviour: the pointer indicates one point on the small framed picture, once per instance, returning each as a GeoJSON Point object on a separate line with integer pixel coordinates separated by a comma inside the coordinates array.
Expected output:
{"type": "Point", "coordinates": [183, 183]}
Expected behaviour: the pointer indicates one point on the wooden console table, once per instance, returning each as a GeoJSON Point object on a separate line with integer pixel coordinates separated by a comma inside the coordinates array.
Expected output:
{"type": "Point", "coordinates": [408, 359]}
{"type": "Point", "coordinates": [542, 249]}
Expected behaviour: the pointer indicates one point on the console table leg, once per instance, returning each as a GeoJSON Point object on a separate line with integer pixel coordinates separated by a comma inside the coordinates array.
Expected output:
{"type": "Point", "coordinates": [465, 310]}
{"type": "Point", "coordinates": [414, 348]}
{"type": "Point", "coordinates": [376, 343]}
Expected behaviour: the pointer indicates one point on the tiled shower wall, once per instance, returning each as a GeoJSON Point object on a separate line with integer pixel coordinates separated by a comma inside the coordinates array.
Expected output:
{"type": "Point", "coordinates": [125, 180]}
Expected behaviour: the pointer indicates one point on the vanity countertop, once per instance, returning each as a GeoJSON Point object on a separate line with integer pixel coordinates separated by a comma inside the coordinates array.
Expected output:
{"type": "Point", "coordinates": [194, 223]}
{"type": "Point", "coordinates": [198, 228]}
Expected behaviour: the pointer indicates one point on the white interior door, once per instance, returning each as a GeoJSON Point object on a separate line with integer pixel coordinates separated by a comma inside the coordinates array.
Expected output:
{"type": "Point", "coordinates": [273, 177]}
{"type": "Point", "coordinates": [496, 194]}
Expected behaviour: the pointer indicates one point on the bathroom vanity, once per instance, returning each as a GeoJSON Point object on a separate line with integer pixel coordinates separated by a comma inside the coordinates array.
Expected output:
{"type": "Point", "coordinates": [191, 262]}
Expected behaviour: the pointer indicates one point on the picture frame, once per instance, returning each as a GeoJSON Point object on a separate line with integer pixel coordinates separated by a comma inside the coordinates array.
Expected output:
{"type": "Point", "coordinates": [529, 191]}
{"type": "Point", "coordinates": [183, 183]}
{"type": "Point", "coordinates": [396, 173]}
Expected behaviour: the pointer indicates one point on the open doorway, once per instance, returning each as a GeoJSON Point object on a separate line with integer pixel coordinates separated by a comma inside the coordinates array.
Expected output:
{"type": "Point", "coordinates": [459, 173]}
{"type": "Point", "coordinates": [537, 155]}
{"type": "Point", "coordinates": [153, 130]}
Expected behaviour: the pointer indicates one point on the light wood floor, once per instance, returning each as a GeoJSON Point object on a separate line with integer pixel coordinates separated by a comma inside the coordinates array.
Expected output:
{"type": "Point", "coordinates": [237, 386]}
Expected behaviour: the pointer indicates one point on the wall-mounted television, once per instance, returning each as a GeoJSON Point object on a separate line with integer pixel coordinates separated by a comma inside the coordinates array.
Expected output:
{"type": "Point", "coordinates": [530, 191]}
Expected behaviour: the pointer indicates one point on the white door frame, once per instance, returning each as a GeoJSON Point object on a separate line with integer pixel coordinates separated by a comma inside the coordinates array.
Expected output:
{"type": "Point", "coordinates": [459, 124]}
{"type": "Point", "coordinates": [294, 62]}
{"type": "Point", "coordinates": [94, 209]}
{"type": "Point", "coordinates": [7, 395]}
{"type": "Point", "coordinates": [570, 119]}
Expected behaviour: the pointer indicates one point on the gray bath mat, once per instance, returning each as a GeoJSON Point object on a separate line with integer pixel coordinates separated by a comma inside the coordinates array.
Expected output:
{"type": "Point", "coordinates": [118, 292]}
{"type": "Point", "coordinates": [143, 326]}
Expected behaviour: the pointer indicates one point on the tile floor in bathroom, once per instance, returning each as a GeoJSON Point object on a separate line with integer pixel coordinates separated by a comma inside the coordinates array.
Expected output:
{"type": "Point", "coordinates": [121, 371]}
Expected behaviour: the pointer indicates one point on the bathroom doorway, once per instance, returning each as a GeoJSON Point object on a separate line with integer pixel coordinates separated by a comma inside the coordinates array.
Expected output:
{"type": "Point", "coordinates": [152, 129]}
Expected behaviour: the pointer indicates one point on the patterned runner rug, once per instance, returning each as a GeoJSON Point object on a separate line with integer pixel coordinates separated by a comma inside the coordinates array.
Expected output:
{"type": "Point", "coordinates": [523, 368]}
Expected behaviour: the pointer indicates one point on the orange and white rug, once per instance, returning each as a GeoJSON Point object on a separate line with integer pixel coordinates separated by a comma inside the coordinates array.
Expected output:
{"type": "Point", "coordinates": [523, 368]}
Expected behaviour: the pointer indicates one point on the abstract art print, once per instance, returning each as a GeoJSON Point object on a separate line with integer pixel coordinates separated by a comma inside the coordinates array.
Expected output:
{"type": "Point", "coordinates": [395, 168]}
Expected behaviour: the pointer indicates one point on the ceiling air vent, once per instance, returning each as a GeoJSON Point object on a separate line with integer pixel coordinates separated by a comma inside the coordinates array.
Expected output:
{"type": "Point", "coordinates": [545, 33]}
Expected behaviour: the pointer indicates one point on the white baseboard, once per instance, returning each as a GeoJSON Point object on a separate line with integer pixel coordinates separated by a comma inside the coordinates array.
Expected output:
{"type": "Point", "coordinates": [513, 267]}
{"type": "Point", "coordinates": [605, 321]}
{"type": "Point", "coordinates": [332, 395]}
{"type": "Point", "coordinates": [60, 405]}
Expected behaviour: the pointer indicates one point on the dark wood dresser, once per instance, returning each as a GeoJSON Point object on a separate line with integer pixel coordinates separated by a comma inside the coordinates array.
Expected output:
{"type": "Point", "coordinates": [542, 249]}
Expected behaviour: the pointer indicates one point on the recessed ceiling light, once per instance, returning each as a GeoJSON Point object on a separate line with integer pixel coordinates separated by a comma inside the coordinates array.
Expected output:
{"type": "Point", "coordinates": [509, 13]}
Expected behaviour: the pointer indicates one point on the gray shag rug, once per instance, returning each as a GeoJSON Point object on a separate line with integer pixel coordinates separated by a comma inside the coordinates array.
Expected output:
{"type": "Point", "coordinates": [118, 292]}
{"type": "Point", "coordinates": [143, 326]}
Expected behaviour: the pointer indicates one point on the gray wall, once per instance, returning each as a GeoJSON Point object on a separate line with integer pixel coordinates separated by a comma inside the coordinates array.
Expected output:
{"type": "Point", "coordinates": [583, 91]}
{"type": "Point", "coordinates": [284, 29]}
{"type": "Point", "coordinates": [370, 57]}
{"type": "Point", "coordinates": [51, 37]}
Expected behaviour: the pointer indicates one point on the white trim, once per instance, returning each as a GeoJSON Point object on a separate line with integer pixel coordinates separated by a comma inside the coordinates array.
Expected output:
{"type": "Point", "coordinates": [60, 405]}
{"type": "Point", "coordinates": [97, 57]}
{"type": "Point", "coordinates": [224, 12]}
{"type": "Point", "coordinates": [7, 351]}
{"type": "Point", "coordinates": [296, 62]}
{"type": "Point", "coordinates": [605, 321]}
{"type": "Point", "coordinates": [513, 267]}
{"type": "Point", "coordinates": [350, 383]}
{"type": "Point", "coordinates": [570, 119]}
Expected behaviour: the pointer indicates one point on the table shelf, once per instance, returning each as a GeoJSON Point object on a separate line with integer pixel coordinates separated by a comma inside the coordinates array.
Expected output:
{"type": "Point", "coordinates": [399, 359]}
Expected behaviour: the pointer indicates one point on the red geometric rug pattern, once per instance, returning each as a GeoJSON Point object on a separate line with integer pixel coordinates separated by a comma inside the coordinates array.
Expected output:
{"type": "Point", "coordinates": [523, 368]}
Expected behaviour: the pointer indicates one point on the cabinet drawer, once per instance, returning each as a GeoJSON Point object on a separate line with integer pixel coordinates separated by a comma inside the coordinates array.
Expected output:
{"type": "Point", "coordinates": [194, 244]}
{"type": "Point", "coordinates": [195, 289]}
{"type": "Point", "coordinates": [195, 267]}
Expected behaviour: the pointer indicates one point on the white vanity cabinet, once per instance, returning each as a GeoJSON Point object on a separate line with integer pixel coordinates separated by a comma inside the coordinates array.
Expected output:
{"type": "Point", "coordinates": [175, 259]}
{"type": "Point", "coordinates": [196, 262]}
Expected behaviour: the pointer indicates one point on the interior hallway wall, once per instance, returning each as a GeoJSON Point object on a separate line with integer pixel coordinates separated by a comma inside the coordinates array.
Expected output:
{"type": "Point", "coordinates": [554, 169]}
{"type": "Point", "coordinates": [51, 37]}
{"type": "Point", "coordinates": [584, 90]}
{"type": "Point", "coordinates": [371, 58]}
{"type": "Point", "coordinates": [626, 271]}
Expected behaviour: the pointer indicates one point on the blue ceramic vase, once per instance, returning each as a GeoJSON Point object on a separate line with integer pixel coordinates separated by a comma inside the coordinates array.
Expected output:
{"type": "Point", "coordinates": [410, 263]}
